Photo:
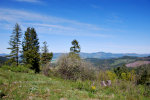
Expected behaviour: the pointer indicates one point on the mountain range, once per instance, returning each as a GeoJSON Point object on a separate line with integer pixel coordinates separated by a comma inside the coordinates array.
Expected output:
{"type": "Point", "coordinates": [104, 55]}
{"type": "Point", "coordinates": [99, 55]}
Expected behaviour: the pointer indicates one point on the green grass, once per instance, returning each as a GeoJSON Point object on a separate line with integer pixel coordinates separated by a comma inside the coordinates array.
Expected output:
{"type": "Point", "coordinates": [26, 86]}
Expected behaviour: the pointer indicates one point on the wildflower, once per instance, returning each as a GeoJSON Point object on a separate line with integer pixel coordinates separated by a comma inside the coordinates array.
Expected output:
{"type": "Point", "coordinates": [93, 87]}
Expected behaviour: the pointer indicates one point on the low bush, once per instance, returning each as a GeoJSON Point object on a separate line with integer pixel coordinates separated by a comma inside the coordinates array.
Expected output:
{"type": "Point", "coordinates": [143, 75]}
{"type": "Point", "coordinates": [106, 75]}
{"type": "Point", "coordinates": [71, 67]}
{"type": "Point", "coordinates": [49, 70]}
{"type": "Point", "coordinates": [125, 74]}
{"type": "Point", "coordinates": [85, 85]}
{"type": "Point", "coordinates": [45, 69]}
{"type": "Point", "coordinates": [19, 68]}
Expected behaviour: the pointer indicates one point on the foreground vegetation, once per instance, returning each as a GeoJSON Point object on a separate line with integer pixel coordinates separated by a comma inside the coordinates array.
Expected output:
{"type": "Point", "coordinates": [26, 86]}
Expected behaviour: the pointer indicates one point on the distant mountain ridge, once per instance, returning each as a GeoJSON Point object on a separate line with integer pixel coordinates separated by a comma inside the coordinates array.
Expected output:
{"type": "Point", "coordinates": [2, 60]}
{"type": "Point", "coordinates": [99, 55]}
{"type": "Point", "coordinates": [3, 54]}
{"type": "Point", "coordinates": [103, 55]}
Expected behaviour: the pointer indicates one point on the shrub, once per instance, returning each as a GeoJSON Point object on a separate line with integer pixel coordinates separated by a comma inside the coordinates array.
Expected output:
{"type": "Point", "coordinates": [101, 76]}
{"type": "Point", "coordinates": [71, 67]}
{"type": "Point", "coordinates": [19, 68]}
{"type": "Point", "coordinates": [87, 71]}
{"type": "Point", "coordinates": [120, 70]}
{"type": "Point", "coordinates": [111, 75]}
{"type": "Point", "coordinates": [106, 75]}
{"type": "Point", "coordinates": [46, 69]}
{"type": "Point", "coordinates": [85, 85]}
{"type": "Point", "coordinates": [49, 70]}
{"type": "Point", "coordinates": [124, 76]}
{"type": "Point", "coordinates": [79, 85]}
{"type": "Point", "coordinates": [143, 75]}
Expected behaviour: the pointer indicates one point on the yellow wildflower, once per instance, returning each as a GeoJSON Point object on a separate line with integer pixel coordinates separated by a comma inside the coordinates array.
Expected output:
{"type": "Point", "coordinates": [93, 87]}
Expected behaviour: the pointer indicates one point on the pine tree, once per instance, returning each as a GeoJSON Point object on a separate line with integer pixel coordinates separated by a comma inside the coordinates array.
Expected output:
{"type": "Point", "coordinates": [31, 49]}
{"type": "Point", "coordinates": [74, 50]}
{"type": "Point", "coordinates": [46, 56]}
{"type": "Point", "coordinates": [14, 44]}
{"type": "Point", "coordinates": [76, 47]}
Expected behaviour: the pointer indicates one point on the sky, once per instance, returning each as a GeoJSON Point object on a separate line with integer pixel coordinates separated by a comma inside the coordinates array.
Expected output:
{"type": "Point", "coordinates": [116, 26]}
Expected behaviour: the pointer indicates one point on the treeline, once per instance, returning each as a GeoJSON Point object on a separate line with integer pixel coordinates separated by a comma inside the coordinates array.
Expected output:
{"type": "Point", "coordinates": [29, 48]}
{"type": "Point", "coordinates": [27, 52]}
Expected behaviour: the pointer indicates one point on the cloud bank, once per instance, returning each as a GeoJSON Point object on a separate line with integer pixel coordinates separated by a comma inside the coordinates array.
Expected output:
{"type": "Point", "coordinates": [48, 24]}
{"type": "Point", "coordinates": [29, 1]}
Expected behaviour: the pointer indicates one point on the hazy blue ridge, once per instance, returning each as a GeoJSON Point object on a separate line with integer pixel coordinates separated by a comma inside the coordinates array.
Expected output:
{"type": "Point", "coordinates": [99, 55]}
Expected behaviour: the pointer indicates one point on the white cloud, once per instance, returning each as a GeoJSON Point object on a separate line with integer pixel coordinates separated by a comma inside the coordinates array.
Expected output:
{"type": "Point", "coordinates": [30, 1]}
{"type": "Point", "coordinates": [48, 24]}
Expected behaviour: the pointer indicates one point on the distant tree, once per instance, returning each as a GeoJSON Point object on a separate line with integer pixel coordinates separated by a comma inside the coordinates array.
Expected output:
{"type": "Point", "coordinates": [30, 47]}
{"type": "Point", "coordinates": [46, 56]}
{"type": "Point", "coordinates": [14, 45]}
{"type": "Point", "coordinates": [76, 47]}
{"type": "Point", "coordinates": [143, 74]}
{"type": "Point", "coordinates": [119, 70]}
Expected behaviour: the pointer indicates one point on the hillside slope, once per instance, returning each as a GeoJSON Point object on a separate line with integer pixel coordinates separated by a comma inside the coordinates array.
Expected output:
{"type": "Point", "coordinates": [29, 86]}
{"type": "Point", "coordinates": [3, 59]}
{"type": "Point", "coordinates": [116, 62]}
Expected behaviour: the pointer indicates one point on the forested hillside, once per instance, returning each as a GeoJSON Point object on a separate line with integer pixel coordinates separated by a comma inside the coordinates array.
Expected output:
{"type": "Point", "coordinates": [116, 62]}
{"type": "Point", "coordinates": [3, 60]}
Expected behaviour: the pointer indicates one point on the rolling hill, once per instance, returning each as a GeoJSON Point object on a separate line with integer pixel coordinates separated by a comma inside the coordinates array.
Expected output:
{"type": "Point", "coordinates": [103, 55]}
{"type": "Point", "coordinates": [3, 59]}
{"type": "Point", "coordinates": [116, 62]}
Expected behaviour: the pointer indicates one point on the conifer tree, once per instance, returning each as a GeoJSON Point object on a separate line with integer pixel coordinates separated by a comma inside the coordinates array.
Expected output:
{"type": "Point", "coordinates": [76, 47]}
{"type": "Point", "coordinates": [46, 56]}
{"type": "Point", "coordinates": [74, 50]}
{"type": "Point", "coordinates": [14, 45]}
{"type": "Point", "coordinates": [30, 47]}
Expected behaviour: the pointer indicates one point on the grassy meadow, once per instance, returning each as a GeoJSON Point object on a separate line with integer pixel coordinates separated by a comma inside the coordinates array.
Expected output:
{"type": "Point", "coordinates": [30, 86]}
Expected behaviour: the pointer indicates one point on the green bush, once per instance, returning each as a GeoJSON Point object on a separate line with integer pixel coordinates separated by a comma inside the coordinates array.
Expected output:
{"type": "Point", "coordinates": [143, 76]}
{"type": "Point", "coordinates": [48, 70]}
{"type": "Point", "coordinates": [19, 68]}
{"type": "Point", "coordinates": [106, 75]}
{"type": "Point", "coordinates": [72, 67]}
{"type": "Point", "coordinates": [79, 85]}
{"type": "Point", "coordinates": [119, 70]}
{"type": "Point", "coordinates": [85, 85]}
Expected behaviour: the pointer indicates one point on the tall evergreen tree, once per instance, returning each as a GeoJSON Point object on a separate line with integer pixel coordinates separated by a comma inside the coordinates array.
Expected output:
{"type": "Point", "coordinates": [30, 47]}
{"type": "Point", "coordinates": [76, 47]}
{"type": "Point", "coordinates": [14, 44]}
{"type": "Point", "coordinates": [46, 56]}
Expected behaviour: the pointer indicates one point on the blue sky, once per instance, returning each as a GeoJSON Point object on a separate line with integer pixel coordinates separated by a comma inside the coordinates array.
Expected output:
{"type": "Point", "coordinates": [117, 26]}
